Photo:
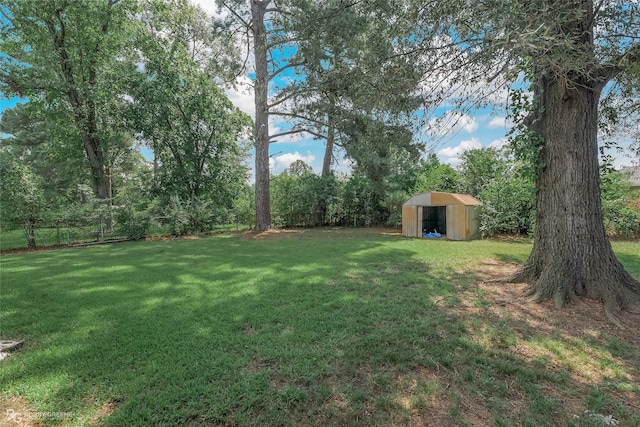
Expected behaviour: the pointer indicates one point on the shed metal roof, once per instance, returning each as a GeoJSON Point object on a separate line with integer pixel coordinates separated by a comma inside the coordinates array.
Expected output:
{"type": "Point", "coordinates": [434, 198]}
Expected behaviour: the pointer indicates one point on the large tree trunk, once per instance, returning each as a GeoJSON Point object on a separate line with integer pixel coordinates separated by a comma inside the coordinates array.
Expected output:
{"type": "Point", "coordinates": [572, 256]}
{"type": "Point", "coordinates": [82, 103]}
{"type": "Point", "coordinates": [263, 199]}
{"type": "Point", "coordinates": [328, 149]}
{"type": "Point", "coordinates": [96, 156]}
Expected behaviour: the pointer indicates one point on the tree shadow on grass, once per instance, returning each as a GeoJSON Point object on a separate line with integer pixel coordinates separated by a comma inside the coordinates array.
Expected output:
{"type": "Point", "coordinates": [224, 331]}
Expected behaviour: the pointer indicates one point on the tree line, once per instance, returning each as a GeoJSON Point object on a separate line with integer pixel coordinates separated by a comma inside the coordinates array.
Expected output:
{"type": "Point", "coordinates": [301, 198]}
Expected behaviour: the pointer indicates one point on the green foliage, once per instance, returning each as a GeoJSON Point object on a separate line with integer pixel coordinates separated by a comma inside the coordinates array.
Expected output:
{"type": "Point", "coordinates": [506, 191]}
{"type": "Point", "coordinates": [620, 217]}
{"type": "Point", "coordinates": [134, 204]}
{"type": "Point", "coordinates": [198, 137]}
{"type": "Point", "coordinates": [189, 216]}
{"type": "Point", "coordinates": [68, 59]}
{"type": "Point", "coordinates": [134, 225]}
{"type": "Point", "coordinates": [32, 142]}
{"type": "Point", "coordinates": [21, 196]}
{"type": "Point", "coordinates": [361, 203]}
{"type": "Point", "coordinates": [85, 210]}
{"type": "Point", "coordinates": [376, 147]}
{"type": "Point", "coordinates": [243, 207]}
{"type": "Point", "coordinates": [393, 204]}
{"type": "Point", "coordinates": [438, 177]}
{"type": "Point", "coordinates": [479, 167]}
{"type": "Point", "coordinates": [301, 198]}
{"type": "Point", "coordinates": [508, 205]}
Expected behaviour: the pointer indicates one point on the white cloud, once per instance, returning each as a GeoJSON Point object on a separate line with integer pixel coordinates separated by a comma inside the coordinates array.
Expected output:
{"type": "Point", "coordinates": [280, 163]}
{"type": "Point", "coordinates": [500, 122]}
{"type": "Point", "coordinates": [469, 124]}
{"type": "Point", "coordinates": [497, 122]}
{"type": "Point", "coordinates": [453, 161]}
{"type": "Point", "coordinates": [451, 123]}
{"type": "Point", "coordinates": [242, 96]}
{"type": "Point", "coordinates": [498, 143]}
{"type": "Point", "coordinates": [211, 8]}
{"type": "Point", "coordinates": [275, 128]}
{"type": "Point", "coordinates": [465, 145]}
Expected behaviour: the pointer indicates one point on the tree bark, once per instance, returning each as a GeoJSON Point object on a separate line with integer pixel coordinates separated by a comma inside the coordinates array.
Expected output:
{"type": "Point", "coordinates": [328, 150]}
{"type": "Point", "coordinates": [572, 256]}
{"type": "Point", "coordinates": [263, 199]}
{"type": "Point", "coordinates": [96, 156]}
{"type": "Point", "coordinates": [84, 107]}
{"type": "Point", "coordinates": [30, 233]}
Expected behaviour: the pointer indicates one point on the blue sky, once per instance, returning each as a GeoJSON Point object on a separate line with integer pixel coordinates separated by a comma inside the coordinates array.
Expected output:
{"type": "Point", "coordinates": [7, 103]}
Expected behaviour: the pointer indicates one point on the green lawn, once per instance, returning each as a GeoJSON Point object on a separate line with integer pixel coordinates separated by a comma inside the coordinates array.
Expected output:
{"type": "Point", "coordinates": [313, 328]}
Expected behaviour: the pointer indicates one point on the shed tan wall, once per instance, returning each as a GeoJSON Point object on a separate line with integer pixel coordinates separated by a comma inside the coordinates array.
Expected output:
{"type": "Point", "coordinates": [473, 219]}
{"type": "Point", "coordinates": [455, 222]}
{"type": "Point", "coordinates": [410, 221]}
{"type": "Point", "coordinates": [463, 222]}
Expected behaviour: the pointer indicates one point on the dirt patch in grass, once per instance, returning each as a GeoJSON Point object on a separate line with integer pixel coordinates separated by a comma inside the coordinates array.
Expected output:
{"type": "Point", "coordinates": [272, 234]}
{"type": "Point", "coordinates": [508, 301]}
{"type": "Point", "coordinates": [577, 340]}
{"type": "Point", "coordinates": [16, 412]}
{"type": "Point", "coordinates": [106, 409]}
{"type": "Point", "coordinates": [18, 251]}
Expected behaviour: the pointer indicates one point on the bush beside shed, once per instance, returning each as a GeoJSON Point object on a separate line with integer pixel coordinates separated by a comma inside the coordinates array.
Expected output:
{"type": "Point", "coordinates": [455, 216]}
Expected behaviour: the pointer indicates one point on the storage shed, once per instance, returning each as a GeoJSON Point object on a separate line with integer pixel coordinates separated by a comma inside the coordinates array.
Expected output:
{"type": "Point", "coordinates": [455, 216]}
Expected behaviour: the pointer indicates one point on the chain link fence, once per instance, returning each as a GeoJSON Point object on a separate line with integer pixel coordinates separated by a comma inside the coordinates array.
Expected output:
{"type": "Point", "coordinates": [16, 235]}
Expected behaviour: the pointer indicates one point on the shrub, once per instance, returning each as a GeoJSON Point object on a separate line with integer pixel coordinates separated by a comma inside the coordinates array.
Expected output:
{"type": "Point", "coordinates": [508, 204]}
{"type": "Point", "coordinates": [620, 216]}
{"type": "Point", "coordinates": [135, 225]}
{"type": "Point", "coordinates": [194, 215]}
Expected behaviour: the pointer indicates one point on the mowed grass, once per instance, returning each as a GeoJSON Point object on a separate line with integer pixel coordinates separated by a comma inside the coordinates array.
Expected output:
{"type": "Point", "coordinates": [309, 328]}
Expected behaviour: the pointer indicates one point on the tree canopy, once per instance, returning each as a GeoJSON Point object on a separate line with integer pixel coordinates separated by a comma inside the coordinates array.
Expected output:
{"type": "Point", "coordinates": [64, 56]}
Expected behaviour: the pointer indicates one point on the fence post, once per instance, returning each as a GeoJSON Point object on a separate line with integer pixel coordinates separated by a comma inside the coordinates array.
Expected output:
{"type": "Point", "coordinates": [68, 235]}
{"type": "Point", "coordinates": [57, 234]}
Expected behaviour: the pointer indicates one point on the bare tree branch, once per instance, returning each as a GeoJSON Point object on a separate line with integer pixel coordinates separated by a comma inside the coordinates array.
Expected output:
{"type": "Point", "coordinates": [240, 18]}
{"type": "Point", "coordinates": [286, 67]}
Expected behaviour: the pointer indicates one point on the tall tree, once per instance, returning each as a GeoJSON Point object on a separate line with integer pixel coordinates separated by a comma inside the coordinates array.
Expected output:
{"type": "Point", "coordinates": [250, 17]}
{"type": "Point", "coordinates": [65, 55]}
{"type": "Point", "coordinates": [352, 67]}
{"type": "Point", "coordinates": [313, 60]}
{"type": "Point", "coordinates": [570, 50]}
{"type": "Point", "coordinates": [198, 137]}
